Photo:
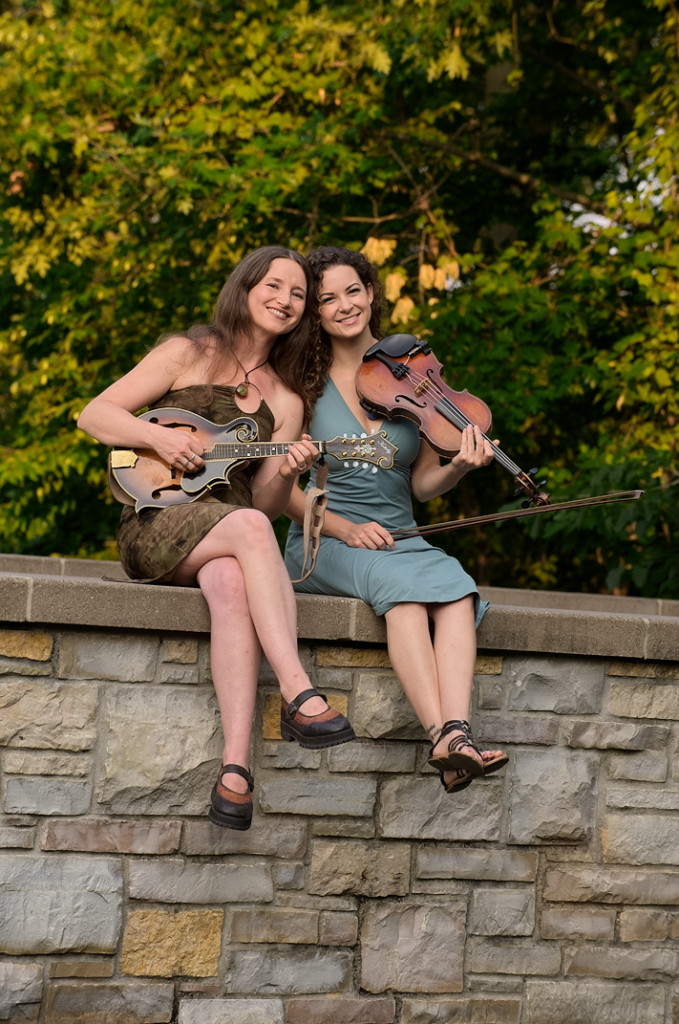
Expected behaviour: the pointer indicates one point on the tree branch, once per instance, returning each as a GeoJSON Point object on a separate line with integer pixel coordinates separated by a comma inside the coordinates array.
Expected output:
{"type": "Point", "coordinates": [522, 178]}
{"type": "Point", "coordinates": [580, 80]}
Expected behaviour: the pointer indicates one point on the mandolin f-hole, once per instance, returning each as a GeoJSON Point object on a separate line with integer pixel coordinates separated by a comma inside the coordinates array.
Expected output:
{"type": "Point", "coordinates": [186, 426]}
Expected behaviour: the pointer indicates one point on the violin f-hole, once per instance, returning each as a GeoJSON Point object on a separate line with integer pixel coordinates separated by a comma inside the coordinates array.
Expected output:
{"type": "Point", "coordinates": [410, 400]}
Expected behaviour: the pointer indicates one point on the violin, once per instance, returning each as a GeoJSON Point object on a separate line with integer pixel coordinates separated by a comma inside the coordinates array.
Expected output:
{"type": "Point", "coordinates": [400, 376]}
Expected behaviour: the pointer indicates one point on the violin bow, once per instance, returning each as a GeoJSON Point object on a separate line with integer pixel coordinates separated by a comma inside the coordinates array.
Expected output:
{"type": "Point", "coordinates": [533, 510]}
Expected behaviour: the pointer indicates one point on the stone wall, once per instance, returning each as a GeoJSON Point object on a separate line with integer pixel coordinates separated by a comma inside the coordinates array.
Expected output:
{"type": "Point", "coordinates": [547, 894]}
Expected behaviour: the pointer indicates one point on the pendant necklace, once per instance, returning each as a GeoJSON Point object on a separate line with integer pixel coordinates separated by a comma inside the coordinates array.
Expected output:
{"type": "Point", "coordinates": [245, 385]}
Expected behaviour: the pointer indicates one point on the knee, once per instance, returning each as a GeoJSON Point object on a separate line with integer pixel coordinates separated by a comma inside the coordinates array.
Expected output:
{"type": "Point", "coordinates": [222, 579]}
{"type": "Point", "coordinates": [254, 528]}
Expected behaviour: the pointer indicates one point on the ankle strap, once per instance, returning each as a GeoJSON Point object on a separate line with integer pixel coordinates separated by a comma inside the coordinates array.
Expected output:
{"type": "Point", "coordinates": [302, 698]}
{"type": "Point", "coordinates": [455, 725]}
{"type": "Point", "coordinates": [465, 740]}
{"type": "Point", "coordinates": [236, 769]}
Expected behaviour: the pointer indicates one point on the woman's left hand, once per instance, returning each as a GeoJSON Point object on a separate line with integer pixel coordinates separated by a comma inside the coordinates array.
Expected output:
{"type": "Point", "coordinates": [300, 457]}
{"type": "Point", "coordinates": [475, 450]}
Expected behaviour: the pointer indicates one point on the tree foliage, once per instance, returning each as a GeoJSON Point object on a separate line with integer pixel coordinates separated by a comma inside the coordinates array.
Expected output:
{"type": "Point", "coordinates": [509, 165]}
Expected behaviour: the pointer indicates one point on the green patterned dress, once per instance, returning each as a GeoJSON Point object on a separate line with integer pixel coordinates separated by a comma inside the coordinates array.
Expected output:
{"type": "Point", "coordinates": [154, 541]}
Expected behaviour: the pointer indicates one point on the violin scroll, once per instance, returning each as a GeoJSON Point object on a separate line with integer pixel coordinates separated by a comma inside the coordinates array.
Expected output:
{"type": "Point", "coordinates": [528, 485]}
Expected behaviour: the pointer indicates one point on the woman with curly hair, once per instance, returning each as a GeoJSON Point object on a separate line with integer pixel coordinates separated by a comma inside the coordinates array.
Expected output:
{"type": "Point", "coordinates": [413, 584]}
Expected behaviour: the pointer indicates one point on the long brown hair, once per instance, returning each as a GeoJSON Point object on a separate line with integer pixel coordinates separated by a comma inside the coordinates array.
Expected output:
{"type": "Point", "coordinates": [231, 318]}
{"type": "Point", "coordinates": [320, 357]}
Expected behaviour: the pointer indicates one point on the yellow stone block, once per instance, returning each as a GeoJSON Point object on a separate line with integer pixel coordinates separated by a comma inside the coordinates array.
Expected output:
{"type": "Point", "coordinates": [645, 669]}
{"type": "Point", "coordinates": [19, 643]}
{"type": "Point", "coordinates": [353, 657]}
{"type": "Point", "coordinates": [271, 720]}
{"type": "Point", "coordinates": [644, 700]}
{"type": "Point", "coordinates": [183, 652]}
{"type": "Point", "coordinates": [488, 665]}
{"type": "Point", "coordinates": [82, 969]}
{"type": "Point", "coordinates": [163, 944]}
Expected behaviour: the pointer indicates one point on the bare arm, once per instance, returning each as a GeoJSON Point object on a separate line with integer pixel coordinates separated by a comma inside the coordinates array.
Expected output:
{"type": "Point", "coordinates": [354, 535]}
{"type": "Point", "coordinates": [110, 417]}
{"type": "Point", "coordinates": [275, 480]}
{"type": "Point", "coordinates": [430, 478]}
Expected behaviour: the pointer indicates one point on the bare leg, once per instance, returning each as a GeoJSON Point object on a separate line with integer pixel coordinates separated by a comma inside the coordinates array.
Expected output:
{"type": "Point", "coordinates": [455, 653]}
{"type": "Point", "coordinates": [455, 630]}
{"type": "Point", "coordinates": [437, 678]}
{"type": "Point", "coordinates": [234, 658]}
{"type": "Point", "coordinates": [248, 536]}
{"type": "Point", "coordinates": [412, 658]}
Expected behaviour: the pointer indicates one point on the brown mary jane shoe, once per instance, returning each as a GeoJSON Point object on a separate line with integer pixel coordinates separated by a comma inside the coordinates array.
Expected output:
{"type": "Point", "coordinates": [313, 732]}
{"type": "Point", "coordinates": [227, 807]}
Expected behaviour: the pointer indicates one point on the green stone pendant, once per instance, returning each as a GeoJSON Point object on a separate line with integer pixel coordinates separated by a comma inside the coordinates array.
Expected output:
{"type": "Point", "coordinates": [242, 390]}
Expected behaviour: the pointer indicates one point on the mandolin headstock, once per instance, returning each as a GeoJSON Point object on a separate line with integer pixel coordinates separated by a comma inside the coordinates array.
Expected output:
{"type": "Point", "coordinates": [375, 449]}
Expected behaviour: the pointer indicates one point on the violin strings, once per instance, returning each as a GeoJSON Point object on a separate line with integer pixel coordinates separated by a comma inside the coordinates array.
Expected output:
{"type": "Point", "coordinates": [460, 420]}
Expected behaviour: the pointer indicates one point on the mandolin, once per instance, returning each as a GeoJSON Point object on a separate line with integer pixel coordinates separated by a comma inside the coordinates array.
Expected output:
{"type": "Point", "coordinates": [141, 478]}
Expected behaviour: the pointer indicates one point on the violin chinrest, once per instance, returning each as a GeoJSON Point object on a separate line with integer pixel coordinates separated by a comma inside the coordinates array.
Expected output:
{"type": "Point", "coordinates": [395, 345]}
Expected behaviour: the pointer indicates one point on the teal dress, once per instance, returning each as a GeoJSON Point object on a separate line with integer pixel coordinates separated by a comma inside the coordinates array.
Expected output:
{"type": "Point", "coordinates": [411, 571]}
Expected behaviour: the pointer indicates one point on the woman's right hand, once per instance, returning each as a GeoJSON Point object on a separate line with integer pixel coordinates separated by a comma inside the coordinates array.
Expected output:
{"type": "Point", "coordinates": [178, 448]}
{"type": "Point", "coordinates": [366, 535]}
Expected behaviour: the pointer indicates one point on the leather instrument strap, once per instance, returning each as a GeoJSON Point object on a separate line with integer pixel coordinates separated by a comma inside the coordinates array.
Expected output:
{"type": "Point", "coordinates": [315, 503]}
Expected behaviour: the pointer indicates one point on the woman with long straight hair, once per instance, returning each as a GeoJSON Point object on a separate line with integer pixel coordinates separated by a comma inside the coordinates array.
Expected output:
{"type": "Point", "coordinates": [249, 360]}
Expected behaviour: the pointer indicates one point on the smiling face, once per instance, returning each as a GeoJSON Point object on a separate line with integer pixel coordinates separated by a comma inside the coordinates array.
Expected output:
{"type": "Point", "coordinates": [345, 304]}
{"type": "Point", "coordinates": [276, 303]}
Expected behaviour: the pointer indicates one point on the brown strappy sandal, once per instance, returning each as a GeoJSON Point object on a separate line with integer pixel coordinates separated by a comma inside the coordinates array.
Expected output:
{"type": "Point", "coordinates": [455, 758]}
{"type": "Point", "coordinates": [457, 784]}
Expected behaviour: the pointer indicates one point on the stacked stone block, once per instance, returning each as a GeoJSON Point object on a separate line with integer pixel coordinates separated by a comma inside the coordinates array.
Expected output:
{"type": "Point", "coordinates": [363, 894]}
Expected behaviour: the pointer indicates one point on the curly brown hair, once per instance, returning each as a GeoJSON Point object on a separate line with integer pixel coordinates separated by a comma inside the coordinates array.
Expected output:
{"type": "Point", "coordinates": [320, 350]}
